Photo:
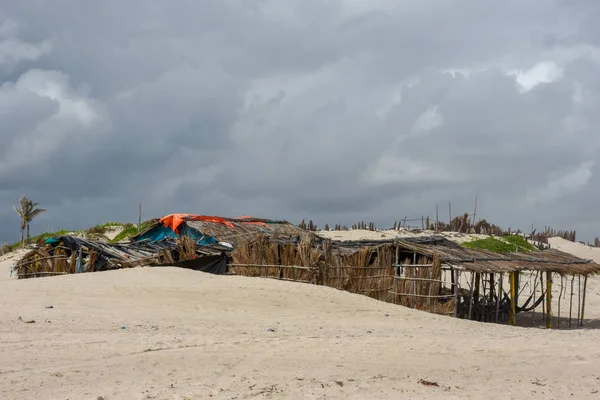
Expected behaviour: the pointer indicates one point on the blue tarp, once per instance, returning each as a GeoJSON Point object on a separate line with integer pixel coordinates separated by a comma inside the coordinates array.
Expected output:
{"type": "Point", "coordinates": [160, 232]}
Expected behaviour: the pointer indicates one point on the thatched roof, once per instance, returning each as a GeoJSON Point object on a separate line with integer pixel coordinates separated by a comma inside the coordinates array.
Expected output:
{"type": "Point", "coordinates": [238, 230]}
{"type": "Point", "coordinates": [487, 261]}
{"type": "Point", "coordinates": [247, 229]}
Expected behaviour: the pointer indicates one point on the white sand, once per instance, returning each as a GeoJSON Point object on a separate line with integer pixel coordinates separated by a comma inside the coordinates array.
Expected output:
{"type": "Point", "coordinates": [192, 335]}
{"type": "Point", "coordinates": [112, 232]}
{"type": "Point", "coordinates": [577, 249]}
{"type": "Point", "coordinates": [9, 260]}
{"type": "Point", "coordinates": [363, 234]}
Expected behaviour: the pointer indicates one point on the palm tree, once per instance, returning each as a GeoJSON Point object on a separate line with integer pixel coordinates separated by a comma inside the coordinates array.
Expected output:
{"type": "Point", "coordinates": [27, 210]}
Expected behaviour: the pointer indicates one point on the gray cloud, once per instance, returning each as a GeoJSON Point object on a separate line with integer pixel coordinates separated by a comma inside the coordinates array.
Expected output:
{"type": "Point", "coordinates": [334, 111]}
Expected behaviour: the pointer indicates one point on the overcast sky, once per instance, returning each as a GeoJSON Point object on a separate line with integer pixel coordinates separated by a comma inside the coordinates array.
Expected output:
{"type": "Point", "coordinates": [338, 111]}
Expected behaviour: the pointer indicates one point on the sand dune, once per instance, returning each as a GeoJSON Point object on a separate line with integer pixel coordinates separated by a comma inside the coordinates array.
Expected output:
{"type": "Point", "coordinates": [167, 333]}
{"type": "Point", "coordinates": [9, 260]}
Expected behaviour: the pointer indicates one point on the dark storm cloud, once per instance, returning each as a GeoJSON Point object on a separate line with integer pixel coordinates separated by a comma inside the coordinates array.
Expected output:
{"type": "Point", "coordinates": [335, 111]}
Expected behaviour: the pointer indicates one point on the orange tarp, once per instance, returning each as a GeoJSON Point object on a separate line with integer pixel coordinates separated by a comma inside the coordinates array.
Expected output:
{"type": "Point", "coordinates": [173, 221]}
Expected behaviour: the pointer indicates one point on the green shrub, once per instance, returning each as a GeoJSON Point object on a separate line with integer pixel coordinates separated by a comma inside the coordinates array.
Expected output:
{"type": "Point", "coordinates": [507, 244]}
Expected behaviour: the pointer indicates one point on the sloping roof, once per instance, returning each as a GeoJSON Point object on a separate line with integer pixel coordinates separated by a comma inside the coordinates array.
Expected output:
{"type": "Point", "coordinates": [487, 261]}
{"type": "Point", "coordinates": [247, 229]}
{"type": "Point", "coordinates": [231, 230]}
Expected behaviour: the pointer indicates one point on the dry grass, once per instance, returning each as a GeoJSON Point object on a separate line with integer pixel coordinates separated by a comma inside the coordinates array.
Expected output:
{"type": "Point", "coordinates": [39, 262]}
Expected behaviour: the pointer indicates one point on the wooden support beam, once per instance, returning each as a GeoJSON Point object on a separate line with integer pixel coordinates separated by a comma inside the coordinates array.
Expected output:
{"type": "Point", "coordinates": [455, 290]}
{"type": "Point", "coordinates": [471, 295]}
{"type": "Point", "coordinates": [476, 289]}
{"type": "Point", "coordinates": [548, 299]}
{"type": "Point", "coordinates": [500, 295]}
{"type": "Point", "coordinates": [512, 311]}
{"type": "Point", "coordinates": [571, 301]}
{"type": "Point", "coordinates": [578, 300]}
{"type": "Point", "coordinates": [583, 302]}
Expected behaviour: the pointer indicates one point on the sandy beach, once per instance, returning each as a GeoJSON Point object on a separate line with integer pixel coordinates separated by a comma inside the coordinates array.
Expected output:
{"type": "Point", "coordinates": [166, 333]}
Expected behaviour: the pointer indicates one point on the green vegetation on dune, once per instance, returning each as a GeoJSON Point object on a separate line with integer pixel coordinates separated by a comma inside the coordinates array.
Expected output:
{"type": "Point", "coordinates": [505, 244]}
{"type": "Point", "coordinates": [98, 231]}
{"type": "Point", "coordinates": [520, 241]}
{"type": "Point", "coordinates": [39, 239]}
{"type": "Point", "coordinates": [130, 230]}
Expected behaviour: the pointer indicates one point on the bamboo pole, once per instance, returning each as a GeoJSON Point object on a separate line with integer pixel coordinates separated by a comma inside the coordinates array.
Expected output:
{"type": "Point", "coordinates": [571, 301]}
{"type": "Point", "coordinates": [415, 271]}
{"type": "Point", "coordinates": [534, 298]}
{"type": "Point", "coordinates": [511, 315]}
{"type": "Point", "coordinates": [583, 302]}
{"type": "Point", "coordinates": [471, 294]}
{"type": "Point", "coordinates": [396, 274]}
{"type": "Point", "coordinates": [578, 300]}
{"type": "Point", "coordinates": [560, 294]}
{"type": "Point", "coordinates": [455, 290]}
{"type": "Point", "coordinates": [543, 297]}
{"type": "Point", "coordinates": [499, 295]}
{"type": "Point", "coordinates": [548, 299]}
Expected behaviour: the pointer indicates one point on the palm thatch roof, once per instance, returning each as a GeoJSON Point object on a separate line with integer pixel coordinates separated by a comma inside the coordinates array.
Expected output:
{"type": "Point", "coordinates": [236, 231]}
{"type": "Point", "coordinates": [248, 229]}
{"type": "Point", "coordinates": [490, 262]}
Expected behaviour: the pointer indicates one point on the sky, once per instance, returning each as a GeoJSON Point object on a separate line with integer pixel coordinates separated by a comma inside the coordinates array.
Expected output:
{"type": "Point", "coordinates": [336, 111]}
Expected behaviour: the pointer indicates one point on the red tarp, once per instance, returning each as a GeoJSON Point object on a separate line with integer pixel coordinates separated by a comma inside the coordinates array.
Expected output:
{"type": "Point", "coordinates": [173, 221]}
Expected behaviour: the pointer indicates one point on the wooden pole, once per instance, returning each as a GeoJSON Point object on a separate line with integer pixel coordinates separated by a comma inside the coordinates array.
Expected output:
{"type": "Point", "coordinates": [476, 290]}
{"type": "Point", "coordinates": [449, 214]}
{"type": "Point", "coordinates": [548, 299]}
{"type": "Point", "coordinates": [414, 283]}
{"type": "Point", "coordinates": [543, 297]}
{"type": "Point", "coordinates": [560, 294]}
{"type": "Point", "coordinates": [455, 290]}
{"type": "Point", "coordinates": [579, 300]}
{"type": "Point", "coordinates": [500, 295]}
{"type": "Point", "coordinates": [437, 220]}
{"type": "Point", "coordinates": [571, 301]}
{"type": "Point", "coordinates": [583, 302]}
{"type": "Point", "coordinates": [471, 294]}
{"type": "Point", "coordinates": [511, 315]}
{"type": "Point", "coordinates": [534, 298]}
{"type": "Point", "coordinates": [396, 275]}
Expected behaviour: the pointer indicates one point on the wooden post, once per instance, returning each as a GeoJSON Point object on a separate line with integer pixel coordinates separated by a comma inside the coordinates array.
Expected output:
{"type": "Point", "coordinates": [476, 289]}
{"type": "Point", "coordinates": [414, 283]}
{"type": "Point", "coordinates": [437, 220]}
{"type": "Point", "coordinates": [449, 215]}
{"type": "Point", "coordinates": [560, 294]}
{"type": "Point", "coordinates": [583, 302]}
{"type": "Point", "coordinates": [500, 295]}
{"type": "Point", "coordinates": [543, 297]}
{"type": "Point", "coordinates": [396, 275]}
{"type": "Point", "coordinates": [455, 290]}
{"type": "Point", "coordinates": [517, 287]}
{"type": "Point", "coordinates": [471, 294]}
{"type": "Point", "coordinates": [512, 312]}
{"type": "Point", "coordinates": [571, 301]}
{"type": "Point", "coordinates": [534, 298]}
{"type": "Point", "coordinates": [548, 299]}
{"type": "Point", "coordinates": [579, 300]}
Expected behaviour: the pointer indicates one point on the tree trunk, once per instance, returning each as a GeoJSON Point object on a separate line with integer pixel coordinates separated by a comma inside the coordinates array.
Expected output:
{"type": "Point", "coordinates": [22, 237]}
{"type": "Point", "coordinates": [28, 237]}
